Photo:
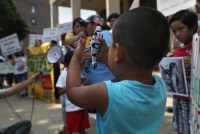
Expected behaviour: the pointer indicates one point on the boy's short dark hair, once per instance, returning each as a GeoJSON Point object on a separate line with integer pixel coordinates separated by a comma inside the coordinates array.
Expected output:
{"type": "Point", "coordinates": [113, 15]}
{"type": "Point", "coordinates": [188, 18]}
{"type": "Point", "coordinates": [144, 33]}
{"type": "Point", "coordinates": [68, 57]}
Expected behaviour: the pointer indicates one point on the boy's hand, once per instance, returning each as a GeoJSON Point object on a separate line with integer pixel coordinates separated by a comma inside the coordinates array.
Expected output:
{"type": "Point", "coordinates": [82, 34]}
{"type": "Point", "coordinates": [103, 51]}
{"type": "Point", "coordinates": [81, 52]}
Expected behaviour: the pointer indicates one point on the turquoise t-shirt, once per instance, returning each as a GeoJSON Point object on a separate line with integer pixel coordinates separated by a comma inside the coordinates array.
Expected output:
{"type": "Point", "coordinates": [134, 108]}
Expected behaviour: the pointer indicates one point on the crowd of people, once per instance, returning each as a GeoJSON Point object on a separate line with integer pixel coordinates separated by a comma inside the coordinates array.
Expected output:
{"type": "Point", "coordinates": [82, 29]}
{"type": "Point", "coordinates": [19, 74]}
{"type": "Point", "coordinates": [183, 24]}
{"type": "Point", "coordinates": [122, 90]}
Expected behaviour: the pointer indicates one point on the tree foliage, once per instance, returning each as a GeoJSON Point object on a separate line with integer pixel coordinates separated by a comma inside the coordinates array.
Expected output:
{"type": "Point", "coordinates": [11, 21]}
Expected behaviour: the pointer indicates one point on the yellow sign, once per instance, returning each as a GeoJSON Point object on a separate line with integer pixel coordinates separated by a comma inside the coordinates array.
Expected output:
{"type": "Point", "coordinates": [44, 88]}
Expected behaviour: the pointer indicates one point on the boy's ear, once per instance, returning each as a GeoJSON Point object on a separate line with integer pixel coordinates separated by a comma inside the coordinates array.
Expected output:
{"type": "Point", "coordinates": [119, 52]}
{"type": "Point", "coordinates": [194, 29]}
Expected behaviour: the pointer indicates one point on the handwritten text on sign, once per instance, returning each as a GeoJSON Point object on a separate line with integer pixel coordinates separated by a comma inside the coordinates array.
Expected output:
{"type": "Point", "coordinates": [169, 7]}
{"type": "Point", "coordinates": [10, 45]}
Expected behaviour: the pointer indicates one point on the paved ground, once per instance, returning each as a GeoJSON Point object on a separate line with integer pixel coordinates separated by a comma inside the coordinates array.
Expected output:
{"type": "Point", "coordinates": [46, 118]}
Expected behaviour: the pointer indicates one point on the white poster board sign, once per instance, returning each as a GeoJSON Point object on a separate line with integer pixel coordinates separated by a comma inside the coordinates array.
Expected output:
{"type": "Point", "coordinates": [195, 86]}
{"type": "Point", "coordinates": [135, 4]}
{"type": "Point", "coordinates": [64, 28]}
{"type": "Point", "coordinates": [195, 70]}
{"type": "Point", "coordinates": [169, 7]}
{"type": "Point", "coordinates": [33, 37]}
{"type": "Point", "coordinates": [50, 34]}
{"type": "Point", "coordinates": [10, 45]}
{"type": "Point", "coordinates": [196, 56]}
{"type": "Point", "coordinates": [6, 67]}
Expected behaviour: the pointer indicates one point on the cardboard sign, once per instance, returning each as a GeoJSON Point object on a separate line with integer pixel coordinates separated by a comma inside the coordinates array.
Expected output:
{"type": "Point", "coordinates": [195, 86]}
{"type": "Point", "coordinates": [33, 37]}
{"type": "Point", "coordinates": [50, 34]}
{"type": "Point", "coordinates": [168, 7]}
{"type": "Point", "coordinates": [64, 28]}
{"type": "Point", "coordinates": [10, 45]}
{"type": "Point", "coordinates": [6, 67]}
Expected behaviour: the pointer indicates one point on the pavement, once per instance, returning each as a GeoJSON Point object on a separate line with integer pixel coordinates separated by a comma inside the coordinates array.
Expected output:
{"type": "Point", "coordinates": [46, 117]}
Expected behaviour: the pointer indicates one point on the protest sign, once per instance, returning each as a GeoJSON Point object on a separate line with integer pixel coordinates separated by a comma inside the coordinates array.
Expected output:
{"type": "Point", "coordinates": [50, 34]}
{"type": "Point", "coordinates": [169, 7]}
{"type": "Point", "coordinates": [6, 67]}
{"type": "Point", "coordinates": [33, 38]}
{"type": "Point", "coordinates": [195, 86]}
{"type": "Point", "coordinates": [172, 71]}
{"type": "Point", "coordinates": [10, 45]}
{"type": "Point", "coordinates": [64, 28]}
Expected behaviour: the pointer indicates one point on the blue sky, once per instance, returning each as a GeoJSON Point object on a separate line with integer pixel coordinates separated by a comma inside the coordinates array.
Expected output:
{"type": "Point", "coordinates": [65, 14]}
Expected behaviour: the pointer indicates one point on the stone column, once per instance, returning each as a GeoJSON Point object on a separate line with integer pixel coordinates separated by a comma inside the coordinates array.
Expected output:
{"type": "Point", "coordinates": [125, 5]}
{"type": "Point", "coordinates": [53, 13]}
{"type": "Point", "coordinates": [112, 6]}
{"type": "Point", "coordinates": [76, 6]}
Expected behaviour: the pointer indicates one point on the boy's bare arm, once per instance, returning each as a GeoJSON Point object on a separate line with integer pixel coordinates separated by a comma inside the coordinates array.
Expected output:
{"type": "Point", "coordinates": [61, 90]}
{"type": "Point", "coordinates": [91, 97]}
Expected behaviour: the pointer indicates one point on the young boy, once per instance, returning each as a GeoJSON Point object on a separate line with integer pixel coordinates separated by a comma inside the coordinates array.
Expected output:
{"type": "Point", "coordinates": [135, 104]}
{"type": "Point", "coordinates": [112, 19]}
{"type": "Point", "coordinates": [184, 26]}
{"type": "Point", "coordinates": [76, 118]}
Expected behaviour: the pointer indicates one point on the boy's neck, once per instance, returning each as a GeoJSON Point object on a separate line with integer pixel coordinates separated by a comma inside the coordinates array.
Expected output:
{"type": "Point", "coordinates": [137, 74]}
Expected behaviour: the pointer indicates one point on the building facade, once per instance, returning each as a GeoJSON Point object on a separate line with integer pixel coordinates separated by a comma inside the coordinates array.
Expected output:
{"type": "Point", "coordinates": [40, 14]}
{"type": "Point", "coordinates": [36, 13]}
{"type": "Point", "coordinates": [103, 7]}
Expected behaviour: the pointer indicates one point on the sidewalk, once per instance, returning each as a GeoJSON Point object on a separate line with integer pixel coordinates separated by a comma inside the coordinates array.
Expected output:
{"type": "Point", "coordinates": [46, 117]}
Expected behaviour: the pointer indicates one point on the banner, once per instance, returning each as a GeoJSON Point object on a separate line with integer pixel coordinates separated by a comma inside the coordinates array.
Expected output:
{"type": "Point", "coordinates": [169, 7]}
{"type": "Point", "coordinates": [44, 88]}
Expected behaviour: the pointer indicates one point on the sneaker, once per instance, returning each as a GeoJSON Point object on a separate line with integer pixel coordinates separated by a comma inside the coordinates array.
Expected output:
{"type": "Point", "coordinates": [24, 95]}
{"type": "Point", "coordinates": [169, 109]}
{"type": "Point", "coordinates": [61, 132]}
